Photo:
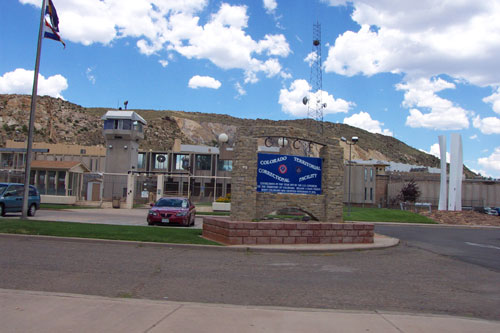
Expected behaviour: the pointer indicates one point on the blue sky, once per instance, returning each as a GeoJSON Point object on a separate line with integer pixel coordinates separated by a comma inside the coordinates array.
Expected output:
{"type": "Point", "coordinates": [410, 69]}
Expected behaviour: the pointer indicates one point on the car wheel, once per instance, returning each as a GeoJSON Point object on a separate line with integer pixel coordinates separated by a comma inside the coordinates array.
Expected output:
{"type": "Point", "coordinates": [32, 210]}
{"type": "Point", "coordinates": [2, 210]}
{"type": "Point", "coordinates": [150, 222]}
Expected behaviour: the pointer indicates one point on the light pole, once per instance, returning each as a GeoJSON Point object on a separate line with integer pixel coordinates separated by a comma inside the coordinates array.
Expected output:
{"type": "Point", "coordinates": [354, 140]}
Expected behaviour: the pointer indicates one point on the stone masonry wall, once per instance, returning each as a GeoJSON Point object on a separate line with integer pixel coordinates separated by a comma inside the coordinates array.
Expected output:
{"type": "Point", "coordinates": [231, 232]}
{"type": "Point", "coordinates": [248, 204]}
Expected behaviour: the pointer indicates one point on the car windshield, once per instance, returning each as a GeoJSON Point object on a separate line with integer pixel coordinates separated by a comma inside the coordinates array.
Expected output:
{"type": "Point", "coordinates": [172, 203]}
{"type": "Point", "coordinates": [2, 188]}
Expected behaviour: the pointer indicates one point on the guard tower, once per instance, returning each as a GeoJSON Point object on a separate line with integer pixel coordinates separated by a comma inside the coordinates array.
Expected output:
{"type": "Point", "coordinates": [122, 130]}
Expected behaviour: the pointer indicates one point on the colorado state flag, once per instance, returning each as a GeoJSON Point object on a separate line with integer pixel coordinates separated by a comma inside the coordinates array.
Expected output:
{"type": "Point", "coordinates": [51, 30]}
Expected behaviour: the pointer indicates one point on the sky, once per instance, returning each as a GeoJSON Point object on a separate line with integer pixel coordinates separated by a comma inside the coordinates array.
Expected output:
{"type": "Point", "coordinates": [413, 70]}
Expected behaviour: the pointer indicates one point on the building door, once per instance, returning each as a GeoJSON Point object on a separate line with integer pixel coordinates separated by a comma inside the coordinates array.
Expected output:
{"type": "Point", "coordinates": [96, 191]}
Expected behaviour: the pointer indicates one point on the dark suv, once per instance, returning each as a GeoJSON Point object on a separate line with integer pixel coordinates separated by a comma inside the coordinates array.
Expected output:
{"type": "Point", "coordinates": [11, 199]}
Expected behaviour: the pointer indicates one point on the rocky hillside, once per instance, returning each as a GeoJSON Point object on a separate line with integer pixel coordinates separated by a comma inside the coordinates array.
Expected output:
{"type": "Point", "coordinates": [59, 121]}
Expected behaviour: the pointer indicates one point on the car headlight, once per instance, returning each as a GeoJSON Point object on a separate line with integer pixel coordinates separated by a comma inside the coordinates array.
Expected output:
{"type": "Point", "coordinates": [184, 213]}
{"type": "Point", "coordinates": [153, 213]}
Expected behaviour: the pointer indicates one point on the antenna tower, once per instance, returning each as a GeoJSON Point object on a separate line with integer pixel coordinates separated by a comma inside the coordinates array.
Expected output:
{"type": "Point", "coordinates": [315, 104]}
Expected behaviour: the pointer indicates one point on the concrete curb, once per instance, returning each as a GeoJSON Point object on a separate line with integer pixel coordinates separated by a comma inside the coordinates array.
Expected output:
{"type": "Point", "coordinates": [380, 242]}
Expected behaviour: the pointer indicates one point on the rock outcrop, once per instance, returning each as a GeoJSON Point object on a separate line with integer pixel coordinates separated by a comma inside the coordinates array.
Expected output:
{"type": "Point", "coordinates": [60, 121]}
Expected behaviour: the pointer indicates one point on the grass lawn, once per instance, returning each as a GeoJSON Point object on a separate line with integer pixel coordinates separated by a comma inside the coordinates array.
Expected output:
{"type": "Point", "coordinates": [103, 231]}
{"type": "Point", "coordinates": [214, 213]}
{"type": "Point", "coordinates": [204, 204]}
{"type": "Point", "coordinates": [385, 215]}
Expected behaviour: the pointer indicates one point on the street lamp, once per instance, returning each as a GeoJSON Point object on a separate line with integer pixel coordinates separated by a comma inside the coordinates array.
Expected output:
{"type": "Point", "coordinates": [354, 140]}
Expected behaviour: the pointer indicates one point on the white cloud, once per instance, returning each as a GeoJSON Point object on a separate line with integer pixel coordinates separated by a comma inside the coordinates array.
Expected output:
{"type": "Point", "coordinates": [436, 152]}
{"type": "Point", "coordinates": [481, 172]}
{"type": "Point", "coordinates": [336, 2]}
{"type": "Point", "coordinates": [491, 162]}
{"type": "Point", "coordinates": [163, 62]}
{"type": "Point", "coordinates": [311, 58]}
{"type": "Point", "coordinates": [291, 100]}
{"type": "Point", "coordinates": [364, 120]}
{"type": "Point", "coordinates": [102, 21]}
{"type": "Point", "coordinates": [421, 39]}
{"type": "Point", "coordinates": [270, 6]}
{"type": "Point", "coordinates": [473, 137]}
{"type": "Point", "coordinates": [442, 115]}
{"type": "Point", "coordinates": [488, 125]}
{"type": "Point", "coordinates": [90, 76]}
{"type": "Point", "coordinates": [241, 91]}
{"type": "Point", "coordinates": [20, 81]}
{"type": "Point", "coordinates": [275, 45]}
{"type": "Point", "coordinates": [211, 42]}
{"type": "Point", "coordinates": [166, 25]}
{"type": "Point", "coordinates": [494, 99]}
{"type": "Point", "coordinates": [198, 81]}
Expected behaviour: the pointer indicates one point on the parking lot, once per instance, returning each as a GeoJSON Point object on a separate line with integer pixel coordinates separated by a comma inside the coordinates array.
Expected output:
{"type": "Point", "coordinates": [99, 215]}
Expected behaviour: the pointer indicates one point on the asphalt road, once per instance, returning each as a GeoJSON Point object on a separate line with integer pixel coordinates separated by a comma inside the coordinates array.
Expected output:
{"type": "Point", "coordinates": [448, 270]}
{"type": "Point", "coordinates": [98, 215]}
{"type": "Point", "coordinates": [479, 246]}
{"type": "Point", "coordinates": [404, 278]}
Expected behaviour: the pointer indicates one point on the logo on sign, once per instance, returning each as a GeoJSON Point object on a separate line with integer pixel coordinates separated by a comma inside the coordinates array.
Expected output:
{"type": "Point", "coordinates": [282, 169]}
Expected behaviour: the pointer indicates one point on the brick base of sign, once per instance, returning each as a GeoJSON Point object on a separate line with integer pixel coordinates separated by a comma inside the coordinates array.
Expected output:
{"type": "Point", "coordinates": [285, 232]}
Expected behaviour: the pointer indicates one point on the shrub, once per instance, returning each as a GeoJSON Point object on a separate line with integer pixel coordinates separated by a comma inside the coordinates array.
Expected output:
{"type": "Point", "coordinates": [227, 198]}
{"type": "Point", "coordinates": [410, 192]}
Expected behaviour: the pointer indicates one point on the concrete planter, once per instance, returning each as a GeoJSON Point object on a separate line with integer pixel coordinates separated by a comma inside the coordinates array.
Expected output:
{"type": "Point", "coordinates": [57, 199]}
{"type": "Point", "coordinates": [221, 206]}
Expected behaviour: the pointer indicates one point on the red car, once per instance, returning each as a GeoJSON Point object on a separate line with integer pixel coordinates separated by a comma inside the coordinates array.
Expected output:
{"type": "Point", "coordinates": [178, 210]}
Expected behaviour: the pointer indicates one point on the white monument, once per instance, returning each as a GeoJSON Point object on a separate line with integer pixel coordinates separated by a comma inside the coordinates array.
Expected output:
{"type": "Point", "coordinates": [456, 170]}
{"type": "Point", "coordinates": [443, 197]}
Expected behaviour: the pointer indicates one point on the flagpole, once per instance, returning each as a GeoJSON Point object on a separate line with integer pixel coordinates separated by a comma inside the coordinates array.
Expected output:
{"type": "Point", "coordinates": [27, 169]}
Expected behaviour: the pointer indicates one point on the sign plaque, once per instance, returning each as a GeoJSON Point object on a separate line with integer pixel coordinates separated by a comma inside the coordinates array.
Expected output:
{"type": "Point", "coordinates": [288, 174]}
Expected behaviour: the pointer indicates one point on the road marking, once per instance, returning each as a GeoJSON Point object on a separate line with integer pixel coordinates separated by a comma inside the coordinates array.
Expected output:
{"type": "Point", "coordinates": [283, 264]}
{"type": "Point", "coordinates": [483, 245]}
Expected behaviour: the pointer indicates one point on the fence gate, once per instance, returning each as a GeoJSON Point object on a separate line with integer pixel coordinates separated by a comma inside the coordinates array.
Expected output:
{"type": "Point", "coordinates": [145, 189]}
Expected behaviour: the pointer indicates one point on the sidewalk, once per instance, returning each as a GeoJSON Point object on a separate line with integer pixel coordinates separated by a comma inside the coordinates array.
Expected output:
{"type": "Point", "coordinates": [33, 311]}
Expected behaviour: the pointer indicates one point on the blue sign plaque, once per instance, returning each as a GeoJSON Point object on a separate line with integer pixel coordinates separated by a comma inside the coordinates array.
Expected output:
{"type": "Point", "coordinates": [288, 174]}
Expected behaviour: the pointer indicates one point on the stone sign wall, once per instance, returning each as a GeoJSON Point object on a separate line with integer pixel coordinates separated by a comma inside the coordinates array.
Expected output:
{"type": "Point", "coordinates": [248, 204]}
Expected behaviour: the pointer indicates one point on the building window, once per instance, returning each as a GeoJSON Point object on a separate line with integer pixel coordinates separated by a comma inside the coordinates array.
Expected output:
{"type": "Point", "coordinates": [83, 151]}
{"type": "Point", "coordinates": [366, 174]}
{"type": "Point", "coordinates": [365, 193]}
{"type": "Point", "coordinates": [108, 124]}
{"type": "Point", "coordinates": [41, 181]}
{"type": "Point", "coordinates": [225, 165]}
{"type": "Point", "coordinates": [371, 174]}
{"type": "Point", "coordinates": [203, 162]}
{"type": "Point", "coordinates": [160, 161]}
{"type": "Point", "coordinates": [126, 124]}
{"type": "Point", "coordinates": [371, 193]}
{"type": "Point", "coordinates": [141, 159]}
{"type": "Point", "coordinates": [51, 186]}
{"type": "Point", "coordinates": [61, 181]}
{"type": "Point", "coordinates": [119, 124]}
{"type": "Point", "coordinates": [7, 160]}
{"type": "Point", "coordinates": [181, 162]}
{"type": "Point", "coordinates": [137, 126]}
